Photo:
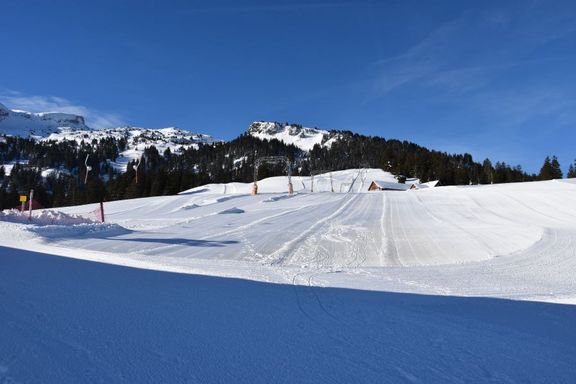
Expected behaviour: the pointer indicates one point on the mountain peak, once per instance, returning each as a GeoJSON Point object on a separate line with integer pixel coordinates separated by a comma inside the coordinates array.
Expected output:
{"type": "Point", "coordinates": [22, 123]}
{"type": "Point", "coordinates": [290, 133]}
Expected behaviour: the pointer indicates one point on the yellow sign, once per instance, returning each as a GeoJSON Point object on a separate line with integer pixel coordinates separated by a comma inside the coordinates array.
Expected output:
{"type": "Point", "coordinates": [23, 198]}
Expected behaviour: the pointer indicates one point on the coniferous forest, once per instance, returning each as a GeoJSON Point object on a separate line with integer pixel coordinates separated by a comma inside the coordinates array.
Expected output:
{"type": "Point", "coordinates": [169, 173]}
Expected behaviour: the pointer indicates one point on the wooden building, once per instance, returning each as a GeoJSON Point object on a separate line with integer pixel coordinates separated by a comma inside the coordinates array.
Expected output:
{"type": "Point", "coordinates": [378, 185]}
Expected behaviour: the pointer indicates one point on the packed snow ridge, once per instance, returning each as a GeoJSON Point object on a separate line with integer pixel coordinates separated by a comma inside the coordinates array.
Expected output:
{"type": "Point", "coordinates": [295, 134]}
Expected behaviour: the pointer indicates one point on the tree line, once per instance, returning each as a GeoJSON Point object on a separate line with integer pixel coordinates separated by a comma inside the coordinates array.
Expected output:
{"type": "Point", "coordinates": [168, 173]}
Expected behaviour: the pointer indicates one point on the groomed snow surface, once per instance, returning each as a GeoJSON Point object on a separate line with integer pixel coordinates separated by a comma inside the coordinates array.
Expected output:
{"type": "Point", "coordinates": [438, 285]}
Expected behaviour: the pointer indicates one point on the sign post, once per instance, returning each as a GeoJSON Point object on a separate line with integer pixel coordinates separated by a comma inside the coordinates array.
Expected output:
{"type": "Point", "coordinates": [23, 201]}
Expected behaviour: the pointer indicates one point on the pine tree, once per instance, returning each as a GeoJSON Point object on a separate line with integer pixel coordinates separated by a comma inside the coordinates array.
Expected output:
{"type": "Point", "coordinates": [556, 169]}
{"type": "Point", "coordinates": [546, 172]}
{"type": "Point", "coordinates": [487, 172]}
{"type": "Point", "coordinates": [572, 170]}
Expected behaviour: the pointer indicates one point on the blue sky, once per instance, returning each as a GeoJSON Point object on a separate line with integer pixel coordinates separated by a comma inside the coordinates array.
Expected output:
{"type": "Point", "coordinates": [492, 78]}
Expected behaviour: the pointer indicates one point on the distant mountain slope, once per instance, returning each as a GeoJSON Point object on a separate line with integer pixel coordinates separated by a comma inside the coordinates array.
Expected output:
{"type": "Point", "coordinates": [302, 137]}
{"type": "Point", "coordinates": [50, 126]}
{"type": "Point", "coordinates": [22, 123]}
{"type": "Point", "coordinates": [136, 139]}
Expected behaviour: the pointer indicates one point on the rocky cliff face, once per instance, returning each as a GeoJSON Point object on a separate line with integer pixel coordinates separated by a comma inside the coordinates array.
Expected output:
{"type": "Point", "coordinates": [21, 123]}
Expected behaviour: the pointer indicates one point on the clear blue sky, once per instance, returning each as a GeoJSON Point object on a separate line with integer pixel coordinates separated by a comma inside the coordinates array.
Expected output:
{"type": "Point", "coordinates": [492, 78]}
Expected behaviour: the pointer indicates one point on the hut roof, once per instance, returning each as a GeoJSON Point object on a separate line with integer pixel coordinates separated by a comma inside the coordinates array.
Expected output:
{"type": "Point", "coordinates": [391, 185]}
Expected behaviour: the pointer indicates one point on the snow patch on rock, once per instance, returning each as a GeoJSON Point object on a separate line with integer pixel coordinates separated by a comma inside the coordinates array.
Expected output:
{"type": "Point", "coordinates": [302, 137]}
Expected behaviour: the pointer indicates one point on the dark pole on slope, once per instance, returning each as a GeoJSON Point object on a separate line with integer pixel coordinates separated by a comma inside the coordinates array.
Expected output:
{"type": "Point", "coordinates": [88, 169]}
{"type": "Point", "coordinates": [102, 211]}
{"type": "Point", "coordinates": [30, 205]}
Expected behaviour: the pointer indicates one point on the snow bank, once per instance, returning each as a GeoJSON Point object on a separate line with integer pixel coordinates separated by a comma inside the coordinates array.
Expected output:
{"type": "Point", "coordinates": [77, 231]}
{"type": "Point", "coordinates": [44, 217]}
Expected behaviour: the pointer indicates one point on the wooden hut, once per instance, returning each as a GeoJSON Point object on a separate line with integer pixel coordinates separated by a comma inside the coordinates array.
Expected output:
{"type": "Point", "coordinates": [378, 185]}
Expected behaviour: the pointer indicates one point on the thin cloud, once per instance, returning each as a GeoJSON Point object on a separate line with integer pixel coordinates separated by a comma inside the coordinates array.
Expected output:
{"type": "Point", "coordinates": [94, 118]}
{"type": "Point", "coordinates": [420, 61]}
{"type": "Point", "coordinates": [521, 106]}
{"type": "Point", "coordinates": [470, 51]}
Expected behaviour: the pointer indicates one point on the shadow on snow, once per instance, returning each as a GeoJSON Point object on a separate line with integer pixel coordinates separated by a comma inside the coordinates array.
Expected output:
{"type": "Point", "coordinates": [71, 321]}
{"type": "Point", "coordinates": [179, 241]}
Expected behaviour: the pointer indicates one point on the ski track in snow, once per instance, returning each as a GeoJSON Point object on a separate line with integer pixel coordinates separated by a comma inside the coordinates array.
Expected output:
{"type": "Point", "coordinates": [450, 240]}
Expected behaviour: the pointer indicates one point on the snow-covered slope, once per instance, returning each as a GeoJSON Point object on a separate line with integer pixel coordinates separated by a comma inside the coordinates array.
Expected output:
{"type": "Point", "coordinates": [350, 180]}
{"type": "Point", "coordinates": [513, 240]}
{"type": "Point", "coordinates": [21, 123]}
{"type": "Point", "coordinates": [436, 285]}
{"type": "Point", "coordinates": [302, 137]}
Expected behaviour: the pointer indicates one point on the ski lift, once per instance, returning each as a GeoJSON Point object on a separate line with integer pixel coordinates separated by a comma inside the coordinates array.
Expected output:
{"type": "Point", "coordinates": [273, 160]}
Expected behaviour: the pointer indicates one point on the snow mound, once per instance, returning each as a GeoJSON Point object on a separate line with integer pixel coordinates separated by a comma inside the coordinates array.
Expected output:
{"type": "Point", "coordinates": [231, 210]}
{"type": "Point", "coordinates": [76, 231]}
{"type": "Point", "coordinates": [276, 198]}
{"type": "Point", "coordinates": [45, 217]}
{"type": "Point", "coordinates": [190, 206]}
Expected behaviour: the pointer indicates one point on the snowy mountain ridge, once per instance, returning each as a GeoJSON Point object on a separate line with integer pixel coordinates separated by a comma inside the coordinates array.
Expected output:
{"type": "Point", "coordinates": [137, 140]}
{"type": "Point", "coordinates": [52, 126]}
{"type": "Point", "coordinates": [63, 126]}
{"type": "Point", "coordinates": [22, 123]}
